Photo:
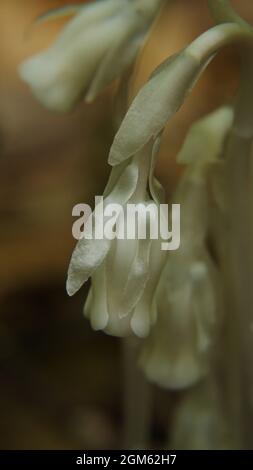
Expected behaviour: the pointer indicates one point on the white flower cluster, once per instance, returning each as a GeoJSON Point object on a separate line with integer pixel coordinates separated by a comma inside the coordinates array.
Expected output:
{"type": "Point", "coordinates": [173, 301]}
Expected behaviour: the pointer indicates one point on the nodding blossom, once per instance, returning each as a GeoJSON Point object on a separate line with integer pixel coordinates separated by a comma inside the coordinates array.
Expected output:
{"type": "Point", "coordinates": [98, 45]}
{"type": "Point", "coordinates": [188, 301]}
{"type": "Point", "coordinates": [124, 272]}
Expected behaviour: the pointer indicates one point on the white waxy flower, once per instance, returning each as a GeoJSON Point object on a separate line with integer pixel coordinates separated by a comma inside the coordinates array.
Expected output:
{"type": "Point", "coordinates": [185, 303]}
{"type": "Point", "coordinates": [124, 272]}
{"type": "Point", "coordinates": [176, 353]}
{"type": "Point", "coordinates": [188, 302]}
{"type": "Point", "coordinates": [120, 298]}
{"type": "Point", "coordinates": [96, 46]}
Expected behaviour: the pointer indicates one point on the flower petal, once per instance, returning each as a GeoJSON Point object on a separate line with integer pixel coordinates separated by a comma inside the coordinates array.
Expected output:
{"type": "Point", "coordinates": [89, 253]}
{"type": "Point", "coordinates": [125, 185]}
{"type": "Point", "coordinates": [144, 314]}
{"type": "Point", "coordinates": [156, 189]}
{"type": "Point", "coordinates": [137, 279]}
{"type": "Point", "coordinates": [60, 75]}
{"type": "Point", "coordinates": [89, 17]}
{"type": "Point", "coordinates": [96, 308]}
{"type": "Point", "coordinates": [177, 352]}
{"type": "Point", "coordinates": [156, 102]}
{"type": "Point", "coordinates": [140, 270]}
{"type": "Point", "coordinates": [86, 258]}
{"type": "Point", "coordinates": [140, 321]}
{"type": "Point", "coordinates": [205, 138]}
{"type": "Point", "coordinates": [60, 12]}
{"type": "Point", "coordinates": [118, 58]}
{"type": "Point", "coordinates": [118, 265]}
{"type": "Point", "coordinates": [114, 176]}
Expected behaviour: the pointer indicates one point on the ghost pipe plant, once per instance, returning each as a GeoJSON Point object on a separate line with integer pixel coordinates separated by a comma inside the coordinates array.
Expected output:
{"type": "Point", "coordinates": [175, 303]}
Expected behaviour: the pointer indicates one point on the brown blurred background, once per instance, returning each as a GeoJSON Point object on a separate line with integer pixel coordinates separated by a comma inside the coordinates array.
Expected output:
{"type": "Point", "coordinates": [58, 386]}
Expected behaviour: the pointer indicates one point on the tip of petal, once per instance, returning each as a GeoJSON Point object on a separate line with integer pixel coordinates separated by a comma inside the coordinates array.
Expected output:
{"type": "Point", "coordinates": [140, 327]}
{"type": "Point", "coordinates": [111, 161]}
{"type": "Point", "coordinates": [41, 75]}
{"type": "Point", "coordinates": [30, 70]}
{"type": "Point", "coordinates": [69, 289]}
{"type": "Point", "coordinates": [72, 286]}
{"type": "Point", "coordinates": [115, 158]}
{"type": "Point", "coordinates": [175, 376]}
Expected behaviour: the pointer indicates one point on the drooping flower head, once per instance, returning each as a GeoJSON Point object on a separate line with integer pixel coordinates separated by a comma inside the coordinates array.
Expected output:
{"type": "Point", "coordinates": [96, 46]}
{"type": "Point", "coordinates": [188, 301]}
{"type": "Point", "coordinates": [124, 272]}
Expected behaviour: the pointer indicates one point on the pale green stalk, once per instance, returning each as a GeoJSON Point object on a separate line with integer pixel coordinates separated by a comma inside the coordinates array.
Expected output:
{"type": "Point", "coordinates": [238, 349]}
{"type": "Point", "coordinates": [138, 400]}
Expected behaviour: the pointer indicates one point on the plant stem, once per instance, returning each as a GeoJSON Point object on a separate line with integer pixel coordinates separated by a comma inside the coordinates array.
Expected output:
{"type": "Point", "coordinates": [222, 12]}
{"type": "Point", "coordinates": [209, 42]}
{"type": "Point", "coordinates": [239, 254]}
{"type": "Point", "coordinates": [137, 400]}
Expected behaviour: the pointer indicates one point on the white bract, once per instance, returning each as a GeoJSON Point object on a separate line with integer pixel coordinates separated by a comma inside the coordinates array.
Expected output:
{"type": "Point", "coordinates": [124, 272]}
{"type": "Point", "coordinates": [95, 47]}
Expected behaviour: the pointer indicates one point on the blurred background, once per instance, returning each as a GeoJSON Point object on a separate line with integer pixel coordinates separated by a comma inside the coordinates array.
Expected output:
{"type": "Point", "coordinates": [61, 385]}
